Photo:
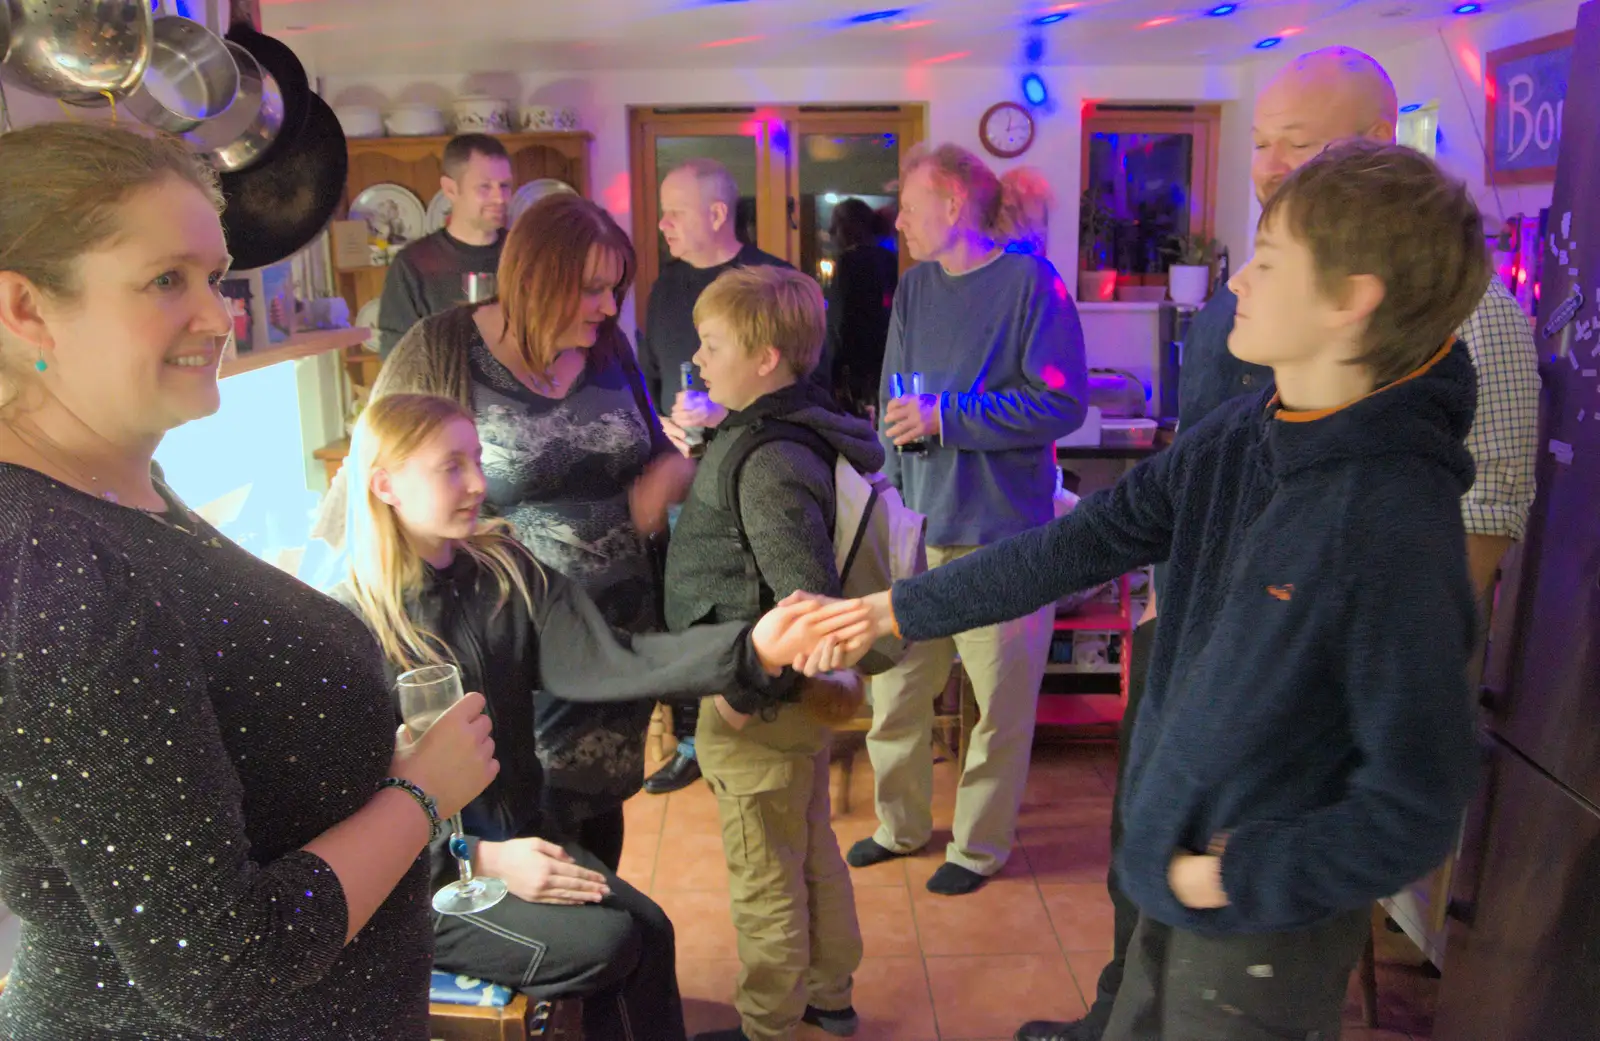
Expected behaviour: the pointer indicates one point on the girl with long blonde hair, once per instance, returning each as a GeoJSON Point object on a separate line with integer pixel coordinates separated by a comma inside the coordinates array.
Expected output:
{"type": "Point", "coordinates": [435, 583]}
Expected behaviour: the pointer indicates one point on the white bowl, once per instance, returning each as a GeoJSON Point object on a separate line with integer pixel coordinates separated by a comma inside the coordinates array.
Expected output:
{"type": "Point", "coordinates": [475, 113]}
{"type": "Point", "coordinates": [359, 121]}
{"type": "Point", "coordinates": [415, 121]}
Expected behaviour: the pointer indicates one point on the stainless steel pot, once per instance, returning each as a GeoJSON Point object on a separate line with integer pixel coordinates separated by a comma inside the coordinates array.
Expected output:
{"type": "Point", "coordinates": [192, 77]}
{"type": "Point", "coordinates": [242, 134]}
{"type": "Point", "coordinates": [75, 49]}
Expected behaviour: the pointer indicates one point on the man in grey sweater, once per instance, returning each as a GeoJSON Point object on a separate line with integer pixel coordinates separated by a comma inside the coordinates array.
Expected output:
{"type": "Point", "coordinates": [997, 340]}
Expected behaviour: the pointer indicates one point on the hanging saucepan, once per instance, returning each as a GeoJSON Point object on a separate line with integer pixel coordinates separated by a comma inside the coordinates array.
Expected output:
{"type": "Point", "coordinates": [192, 78]}
{"type": "Point", "coordinates": [278, 62]}
{"type": "Point", "coordinates": [275, 208]}
{"type": "Point", "coordinates": [242, 134]}
{"type": "Point", "coordinates": [76, 49]}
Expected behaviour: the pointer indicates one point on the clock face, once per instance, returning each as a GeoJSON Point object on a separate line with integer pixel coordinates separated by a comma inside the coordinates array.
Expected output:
{"type": "Point", "coordinates": [1007, 130]}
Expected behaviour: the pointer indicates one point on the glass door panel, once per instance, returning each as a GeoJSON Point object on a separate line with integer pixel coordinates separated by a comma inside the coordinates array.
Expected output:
{"type": "Point", "coordinates": [846, 197]}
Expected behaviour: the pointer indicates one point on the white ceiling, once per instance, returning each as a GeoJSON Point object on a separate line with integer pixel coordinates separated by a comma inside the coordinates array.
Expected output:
{"type": "Point", "coordinates": [377, 37]}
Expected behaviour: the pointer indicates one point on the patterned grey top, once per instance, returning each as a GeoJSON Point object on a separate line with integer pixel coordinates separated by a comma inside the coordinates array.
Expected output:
{"type": "Point", "coordinates": [178, 719]}
{"type": "Point", "coordinates": [559, 470]}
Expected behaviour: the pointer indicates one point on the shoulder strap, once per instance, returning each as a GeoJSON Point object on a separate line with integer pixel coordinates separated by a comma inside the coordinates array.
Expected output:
{"type": "Point", "coordinates": [762, 432]}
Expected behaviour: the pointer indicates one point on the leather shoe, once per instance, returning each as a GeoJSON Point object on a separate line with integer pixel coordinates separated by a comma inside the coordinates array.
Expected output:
{"type": "Point", "coordinates": [677, 775]}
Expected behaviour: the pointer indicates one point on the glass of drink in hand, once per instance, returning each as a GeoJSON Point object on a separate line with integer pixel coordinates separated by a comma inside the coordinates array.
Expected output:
{"type": "Point", "coordinates": [425, 695]}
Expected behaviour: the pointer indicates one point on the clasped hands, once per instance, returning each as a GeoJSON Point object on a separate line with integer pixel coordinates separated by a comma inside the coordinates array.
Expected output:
{"type": "Point", "coordinates": [815, 634]}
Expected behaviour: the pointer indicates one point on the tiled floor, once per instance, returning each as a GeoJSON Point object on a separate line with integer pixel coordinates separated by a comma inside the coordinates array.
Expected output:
{"type": "Point", "coordinates": [1028, 945]}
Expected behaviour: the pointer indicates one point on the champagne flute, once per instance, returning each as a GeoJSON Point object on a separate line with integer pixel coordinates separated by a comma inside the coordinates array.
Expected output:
{"type": "Point", "coordinates": [425, 695]}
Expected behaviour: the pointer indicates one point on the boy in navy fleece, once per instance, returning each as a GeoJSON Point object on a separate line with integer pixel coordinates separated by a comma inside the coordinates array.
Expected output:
{"type": "Point", "coordinates": [1306, 745]}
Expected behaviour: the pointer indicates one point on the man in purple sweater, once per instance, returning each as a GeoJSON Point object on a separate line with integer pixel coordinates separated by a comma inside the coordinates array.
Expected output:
{"type": "Point", "coordinates": [997, 340]}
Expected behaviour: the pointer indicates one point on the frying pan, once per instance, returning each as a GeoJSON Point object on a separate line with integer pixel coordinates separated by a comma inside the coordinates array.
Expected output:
{"type": "Point", "coordinates": [277, 206]}
{"type": "Point", "coordinates": [278, 61]}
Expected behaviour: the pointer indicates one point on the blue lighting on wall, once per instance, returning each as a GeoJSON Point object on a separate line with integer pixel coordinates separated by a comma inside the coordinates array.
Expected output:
{"type": "Point", "coordinates": [1269, 43]}
{"type": "Point", "coordinates": [1034, 90]}
{"type": "Point", "coordinates": [1222, 10]}
{"type": "Point", "coordinates": [1034, 50]}
{"type": "Point", "coordinates": [876, 16]}
{"type": "Point", "coordinates": [1467, 8]}
{"type": "Point", "coordinates": [1052, 18]}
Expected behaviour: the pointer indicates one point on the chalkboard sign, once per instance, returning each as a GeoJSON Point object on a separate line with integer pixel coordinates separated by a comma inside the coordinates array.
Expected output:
{"type": "Point", "coordinates": [1526, 91]}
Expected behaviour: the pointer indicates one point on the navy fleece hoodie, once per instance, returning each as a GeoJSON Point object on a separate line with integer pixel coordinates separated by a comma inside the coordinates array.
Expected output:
{"type": "Point", "coordinates": [1307, 697]}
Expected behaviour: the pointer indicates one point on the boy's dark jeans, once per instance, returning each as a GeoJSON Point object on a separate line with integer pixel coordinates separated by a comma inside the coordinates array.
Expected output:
{"type": "Point", "coordinates": [1181, 986]}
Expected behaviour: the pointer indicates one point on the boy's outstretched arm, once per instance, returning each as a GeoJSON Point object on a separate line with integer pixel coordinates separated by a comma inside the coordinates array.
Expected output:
{"type": "Point", "coordinates": [1109, 534]}
{"type": "Point", "coordinates": [1406, 633]}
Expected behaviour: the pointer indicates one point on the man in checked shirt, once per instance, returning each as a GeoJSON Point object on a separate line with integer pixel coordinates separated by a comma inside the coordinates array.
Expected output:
{"type": "Point", "coordinates": [1322, 97]}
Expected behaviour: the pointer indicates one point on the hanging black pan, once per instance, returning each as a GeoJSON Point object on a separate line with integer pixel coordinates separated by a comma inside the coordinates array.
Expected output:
{"type": "Point", "coordinates": [275, 208]}
{"type": "Point", "coordinates": [286, 71]}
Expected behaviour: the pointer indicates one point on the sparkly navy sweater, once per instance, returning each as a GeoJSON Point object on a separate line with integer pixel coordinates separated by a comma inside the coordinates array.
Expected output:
{"type": "Point", "coordinates": [1307, 700]}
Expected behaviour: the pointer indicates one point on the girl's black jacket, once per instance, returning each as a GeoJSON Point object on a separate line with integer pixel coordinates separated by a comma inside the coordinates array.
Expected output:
{"type": "Point", "coordinates": [563, 648]}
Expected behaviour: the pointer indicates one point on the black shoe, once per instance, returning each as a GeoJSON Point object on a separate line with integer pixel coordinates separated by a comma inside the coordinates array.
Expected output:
{"type": "Point", "coordinates": [1046, 1030]}
{"type": "Point", "coordinates": [840, 1022]}
{"type": "Point", "coordinates": [867, 852]}
{"type": "Point", "coordinates": [731, 1034]}
{"type": "Point", "coordinates": [955, 880]}
{"type": "Point", "coordinates": [677, 775]}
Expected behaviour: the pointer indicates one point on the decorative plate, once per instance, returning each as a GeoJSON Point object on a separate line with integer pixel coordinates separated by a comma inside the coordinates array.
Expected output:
{"type": "Point", "coordinates": [367, 318]}
{"type": "Point", "coordinates": [394, 217]}
{"type": "Point", "coordinates": [533, 191]}
{"type": "Point", "coordinates": [438, 211]}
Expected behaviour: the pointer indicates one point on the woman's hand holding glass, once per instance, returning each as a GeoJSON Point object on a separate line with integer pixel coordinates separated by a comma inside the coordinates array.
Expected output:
{"type": "Point", "coordinates": [454, 760]}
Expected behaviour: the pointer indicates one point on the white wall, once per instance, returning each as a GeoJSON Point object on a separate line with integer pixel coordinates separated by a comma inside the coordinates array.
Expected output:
{"type": "Point", "coordinates": [1424, 71]}
{"type": "Point", "coordinates": [1428, 69]}
{"type": "Point", "coordinates": [956, 98]}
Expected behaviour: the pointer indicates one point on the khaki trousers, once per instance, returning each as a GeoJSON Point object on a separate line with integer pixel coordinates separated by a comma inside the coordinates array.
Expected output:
{"type": "Point", "coordinates": [793, 906]}
{"type": "Point", "coordinates": [1006, 665]}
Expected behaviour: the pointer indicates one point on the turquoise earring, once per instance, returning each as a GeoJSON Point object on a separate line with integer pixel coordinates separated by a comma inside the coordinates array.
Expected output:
{"type": "Point", "coordinates": [41, 364]}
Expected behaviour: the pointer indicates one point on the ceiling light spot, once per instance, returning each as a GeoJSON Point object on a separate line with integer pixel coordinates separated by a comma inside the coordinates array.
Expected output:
{"type": "Point", "coordinates": [1052, 18]}
{"type": "Point", "coordinates": [1222, 10]}
{"type": "Point", "coordinates": [867, 17]}
{"type": "Point", "coordinates": [1153, 23]}
{"type": "Point", "coordinates": [1268, 43]}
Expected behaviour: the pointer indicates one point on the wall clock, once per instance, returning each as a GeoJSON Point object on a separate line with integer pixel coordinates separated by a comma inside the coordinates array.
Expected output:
{"type": "Point", "coordinates": [1006, 130]}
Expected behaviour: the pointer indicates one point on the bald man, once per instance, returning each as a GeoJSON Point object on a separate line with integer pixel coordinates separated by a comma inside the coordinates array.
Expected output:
{"type": "Point", "coordinates": [1322, 97]}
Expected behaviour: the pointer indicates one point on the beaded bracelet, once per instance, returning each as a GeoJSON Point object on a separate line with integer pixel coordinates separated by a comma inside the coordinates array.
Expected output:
{"type": "Point", "coordinates": [426, 801]}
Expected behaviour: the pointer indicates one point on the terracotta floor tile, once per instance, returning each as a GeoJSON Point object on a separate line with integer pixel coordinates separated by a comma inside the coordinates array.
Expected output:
{"type": "Point", "coordinates": [1081, 914]}
{"type": "Point", "coordinates": [892, 999]}
{"type": "Point", "coordinates": [703, 921]}
{"type": "Point", "coordinates": [920, 868]}
{"type": "Point", "coordinates": [1080, 854]}
{"type": "Point", "coordinates": [707, 986]}
{"type": "Point", "coordinates": [693, 810]}
{"type": "Point", "coordinates": [639, 858]}
{"type": "Point", "coordinates": [990, 995]}
{"type": "Point", "coordinates": [690, 860]}
{"type": "Point", "coordinates": [1086, 966]}
{"type": "Point", "coordinates": [1045, 809]}
{"type": "Point", "coordinates": [888, 873]}
{"type": "Point", "coordinates": [997, 919]}
{"type": "Point", "coordinates": [887, 925]}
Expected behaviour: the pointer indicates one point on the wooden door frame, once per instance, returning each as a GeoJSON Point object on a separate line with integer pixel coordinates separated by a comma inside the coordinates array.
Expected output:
{"type": "Point", "coordinates": [647, 122]}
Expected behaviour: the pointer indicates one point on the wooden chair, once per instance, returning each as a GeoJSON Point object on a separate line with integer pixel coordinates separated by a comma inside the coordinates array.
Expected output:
{"type": "Point", "coordinates": [519, 1021]}
{"type": "Point", "coordinates": [954, 717]}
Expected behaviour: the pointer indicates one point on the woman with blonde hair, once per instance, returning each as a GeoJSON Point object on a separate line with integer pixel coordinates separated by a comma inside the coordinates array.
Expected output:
{"type": "Point", "coordinates": [437, 585]}
{"type": "Point", "coordinates": [576, 462]}
{"type": "Point", "coordinates": [203, 802]}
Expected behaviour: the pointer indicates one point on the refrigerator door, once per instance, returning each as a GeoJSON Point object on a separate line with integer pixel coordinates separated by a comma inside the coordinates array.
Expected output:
{"type": "Point", "coordinates": [1524, 963]}
{"type": "Point", "coordinates": [1550, 697]}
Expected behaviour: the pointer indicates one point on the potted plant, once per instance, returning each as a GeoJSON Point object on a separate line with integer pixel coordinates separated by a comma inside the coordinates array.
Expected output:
{"type": "Point", "coordinates": [1189, 273]}
{"type": "Point", "coordinates": [1097, 275]}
